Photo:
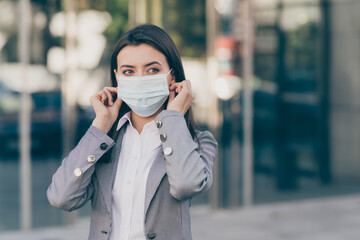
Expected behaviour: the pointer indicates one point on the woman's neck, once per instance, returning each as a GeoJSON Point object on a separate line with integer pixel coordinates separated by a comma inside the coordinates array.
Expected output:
{"type": "Point", "coordinates": [138, 122]}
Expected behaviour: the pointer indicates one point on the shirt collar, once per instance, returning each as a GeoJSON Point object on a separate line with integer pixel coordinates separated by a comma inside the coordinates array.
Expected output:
{"type": "Point", "coordinates": [150, 126]}
{"type": "Point", "coordinates": [149, 129]}
{"type": "Point", "coordinates": [123, 120]}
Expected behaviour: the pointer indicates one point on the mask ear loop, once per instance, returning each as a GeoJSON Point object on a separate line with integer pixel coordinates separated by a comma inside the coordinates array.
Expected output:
{"type": "Point", "coordinates": [172, 79]}
{"type": "Point", "coordinates": [169, 71]}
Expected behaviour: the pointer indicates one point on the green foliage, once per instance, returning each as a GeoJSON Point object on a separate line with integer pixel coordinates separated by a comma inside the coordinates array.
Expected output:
{"type": "Point", "coordinates": [118, 9]}
{"type": "Point", "coordinates": [185, 21]}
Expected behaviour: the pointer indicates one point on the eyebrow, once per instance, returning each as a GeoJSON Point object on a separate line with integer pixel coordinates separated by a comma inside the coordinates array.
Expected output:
{"type": "Point", "coordinates": [151, 63]}
{"type": "Point", "coordinates": [146, 65]}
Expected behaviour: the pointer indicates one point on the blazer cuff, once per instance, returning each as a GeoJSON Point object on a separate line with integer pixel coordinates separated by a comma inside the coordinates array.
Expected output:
{"type": "Point", "coordinates": [100, 135]}
{"type": "Point", "coordinates": [97, 142]}
{"type": "Point", "coordinates": [93, 145]}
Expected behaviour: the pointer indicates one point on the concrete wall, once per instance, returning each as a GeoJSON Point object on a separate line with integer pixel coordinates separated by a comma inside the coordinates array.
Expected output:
{"type": "Point", "coordinates": [345, 90]}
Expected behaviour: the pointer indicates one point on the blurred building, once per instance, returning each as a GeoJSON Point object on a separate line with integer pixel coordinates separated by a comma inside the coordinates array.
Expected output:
{"type": "Point", "coordinates": [305, 102]}
{"type": "Point", "coordinates": [305, 92]}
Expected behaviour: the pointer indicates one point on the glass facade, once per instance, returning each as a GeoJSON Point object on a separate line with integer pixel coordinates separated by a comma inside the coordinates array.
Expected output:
{"type": "Point", "coordinates": [303, 140]}
{"type": "Point", "coordinates": [45, 126]}
{"type": "Point", "coordinates": [44, 77]}
{"type": "Point", "coordinates": [289, 57]}
{"type": "Point", "coordinates": [305, 100]}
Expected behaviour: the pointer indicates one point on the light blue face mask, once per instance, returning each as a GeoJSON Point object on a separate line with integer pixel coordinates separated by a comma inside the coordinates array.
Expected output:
{"type": "Point", "coordinates": [144, 95]}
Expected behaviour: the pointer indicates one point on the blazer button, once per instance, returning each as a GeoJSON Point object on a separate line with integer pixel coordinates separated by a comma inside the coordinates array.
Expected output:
{"type": "Point", "coordinates": [168, 151]}
{"type": "Point", "coordinates": [77, 172]}
{"type": "Point", "coordinates": [151, 235]}
{"type": "Point", "coordinates": [91, 158]}
{"type": "Point", "coordinates": [163, 137]}
{"type": "Point", "coordinates": [103, 146]}
{"type": "Point", "coordinates": [158, 123]}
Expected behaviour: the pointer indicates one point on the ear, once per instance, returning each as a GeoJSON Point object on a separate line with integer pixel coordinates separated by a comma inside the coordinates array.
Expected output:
{"type": "Point", "coordinates": [170, 78]}
{"type": "Point", "coordinates": [173, 80]}
{"type": "Point", "coordinates": [116, 76]}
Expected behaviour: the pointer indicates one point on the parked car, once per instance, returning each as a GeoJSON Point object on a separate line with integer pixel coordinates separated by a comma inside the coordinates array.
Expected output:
{"type": "Point", "coordinates": [45, 123]}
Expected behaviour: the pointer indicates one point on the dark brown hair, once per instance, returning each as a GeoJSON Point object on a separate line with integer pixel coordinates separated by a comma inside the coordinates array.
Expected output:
{"type": "Point", "coordinates": [161, 41]}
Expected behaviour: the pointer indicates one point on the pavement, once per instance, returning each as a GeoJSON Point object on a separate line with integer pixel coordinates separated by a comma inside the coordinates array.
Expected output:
{"type": "Point", "coordinates": [334, 218]}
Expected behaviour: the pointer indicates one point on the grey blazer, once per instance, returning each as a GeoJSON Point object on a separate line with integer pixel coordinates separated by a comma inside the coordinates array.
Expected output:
{"type": "Point", "coordinates": [174, 178]}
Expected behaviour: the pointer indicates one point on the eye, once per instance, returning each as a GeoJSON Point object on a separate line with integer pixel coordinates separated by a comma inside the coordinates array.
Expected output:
{"type": "Point", "coordinates": [153, 70]}
{"type": "Point", "coordinates": [128, 72]}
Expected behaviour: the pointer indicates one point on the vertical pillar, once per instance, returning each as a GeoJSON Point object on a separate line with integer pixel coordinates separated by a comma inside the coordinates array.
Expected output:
{"type": "Point", "coordinates": [247, 14]}
{"type": "Point", "coordinates": [285, 163]}
{"type": "Point", "coordinates": [131, 10]}
{"type": "Point", "coordinates": [137, 12]}
{"type": "Point", "coordinates": [215, 193]}
{"type": "Point", "coordinates": [68, 111]}
{"type": "Point", "coordinates": [324, 91]}
{"type": "Point", "coordinates": [141, 16]}
{"type": "Point", "coordinates": [156, 12]}
{"type": "Point", "coordinates": [25, 117]}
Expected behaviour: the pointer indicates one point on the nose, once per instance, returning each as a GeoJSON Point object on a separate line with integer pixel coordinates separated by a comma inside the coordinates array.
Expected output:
{"type": "Point", "coordinates": [139, 74]}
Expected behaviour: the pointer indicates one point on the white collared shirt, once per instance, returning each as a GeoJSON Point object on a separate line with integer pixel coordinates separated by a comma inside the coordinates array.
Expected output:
{"type": "Point", "coordinates": [138, 152]}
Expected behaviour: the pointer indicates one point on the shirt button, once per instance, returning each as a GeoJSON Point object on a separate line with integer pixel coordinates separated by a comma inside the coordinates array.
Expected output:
{"type": "Point", "coordinates": [103, 146]}
{"type": "Point", "coordinates": [163, 137]}
{"type": "Point", "coordinates": [91, 158]}
{"type": "Point", "coordinates": [168, 151]}
{"type": "Point", "coordinates": [158, 123]}
{"type": "Point", "coordinates": [77, 172]}
{"type": "Point", "coordinates": [151, 235]}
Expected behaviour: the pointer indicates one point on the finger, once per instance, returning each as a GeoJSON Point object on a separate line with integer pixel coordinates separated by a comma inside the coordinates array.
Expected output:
{"type": "Point", "coordinates": [179, 88]}
{"type": "Point", "coordinates": [171, 96]}
{"type": "Point", "coordinates": [112, 89]}
{"type": "Point", "coordinates": [103, 96]}
{"type": "Point", "coordinates": [188, 83]}
{"type": "Point", "coordinates": [173, 86]}
{"type": "Point", "coordinates": [94, 98]}
{"type": "Point", "coordinates": [187, 87]}
{"type": "Point", "coordinates": [109, 96]}
{"type": "Point", "coordinates": [97, 97]}
{"type": "Point", "coordinates": [118, 103]}
{"type": "Point", "coordinates": [96, 102]}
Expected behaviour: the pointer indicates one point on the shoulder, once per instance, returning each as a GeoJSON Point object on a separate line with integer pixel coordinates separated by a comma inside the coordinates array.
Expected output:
{"type": "Point", "coordinates": [205, 133]}
{"type": "Point", "coordinates": [206, 137]}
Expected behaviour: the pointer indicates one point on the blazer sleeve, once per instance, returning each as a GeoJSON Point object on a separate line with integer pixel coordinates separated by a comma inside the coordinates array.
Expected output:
{"type": "Point", "coordinates": [188, 164]}
{"type": "Point", "coordinates": [71, 185]}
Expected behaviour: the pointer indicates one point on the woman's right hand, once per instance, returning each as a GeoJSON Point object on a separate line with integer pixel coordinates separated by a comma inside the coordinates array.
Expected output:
{"type": "Point", "coordinates": [105, 109]}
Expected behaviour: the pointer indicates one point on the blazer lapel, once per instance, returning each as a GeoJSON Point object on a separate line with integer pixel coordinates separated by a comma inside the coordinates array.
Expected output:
{"type": "Point", "coordinates": [106, 171]}
{"type": "Point", "coordinates": [156, 174]}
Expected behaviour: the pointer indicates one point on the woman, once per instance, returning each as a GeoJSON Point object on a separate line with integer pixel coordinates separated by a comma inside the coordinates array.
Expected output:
{"type": "Point", "coordinates": [141, 161]}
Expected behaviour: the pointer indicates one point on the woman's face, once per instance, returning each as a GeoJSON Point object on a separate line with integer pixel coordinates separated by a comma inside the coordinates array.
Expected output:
{"type": "Point", "coordinates": [141, 60]}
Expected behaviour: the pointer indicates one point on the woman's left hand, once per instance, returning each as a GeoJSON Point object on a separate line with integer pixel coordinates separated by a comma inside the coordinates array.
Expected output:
{"type": "Point", "coordinates": [183, 100]}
